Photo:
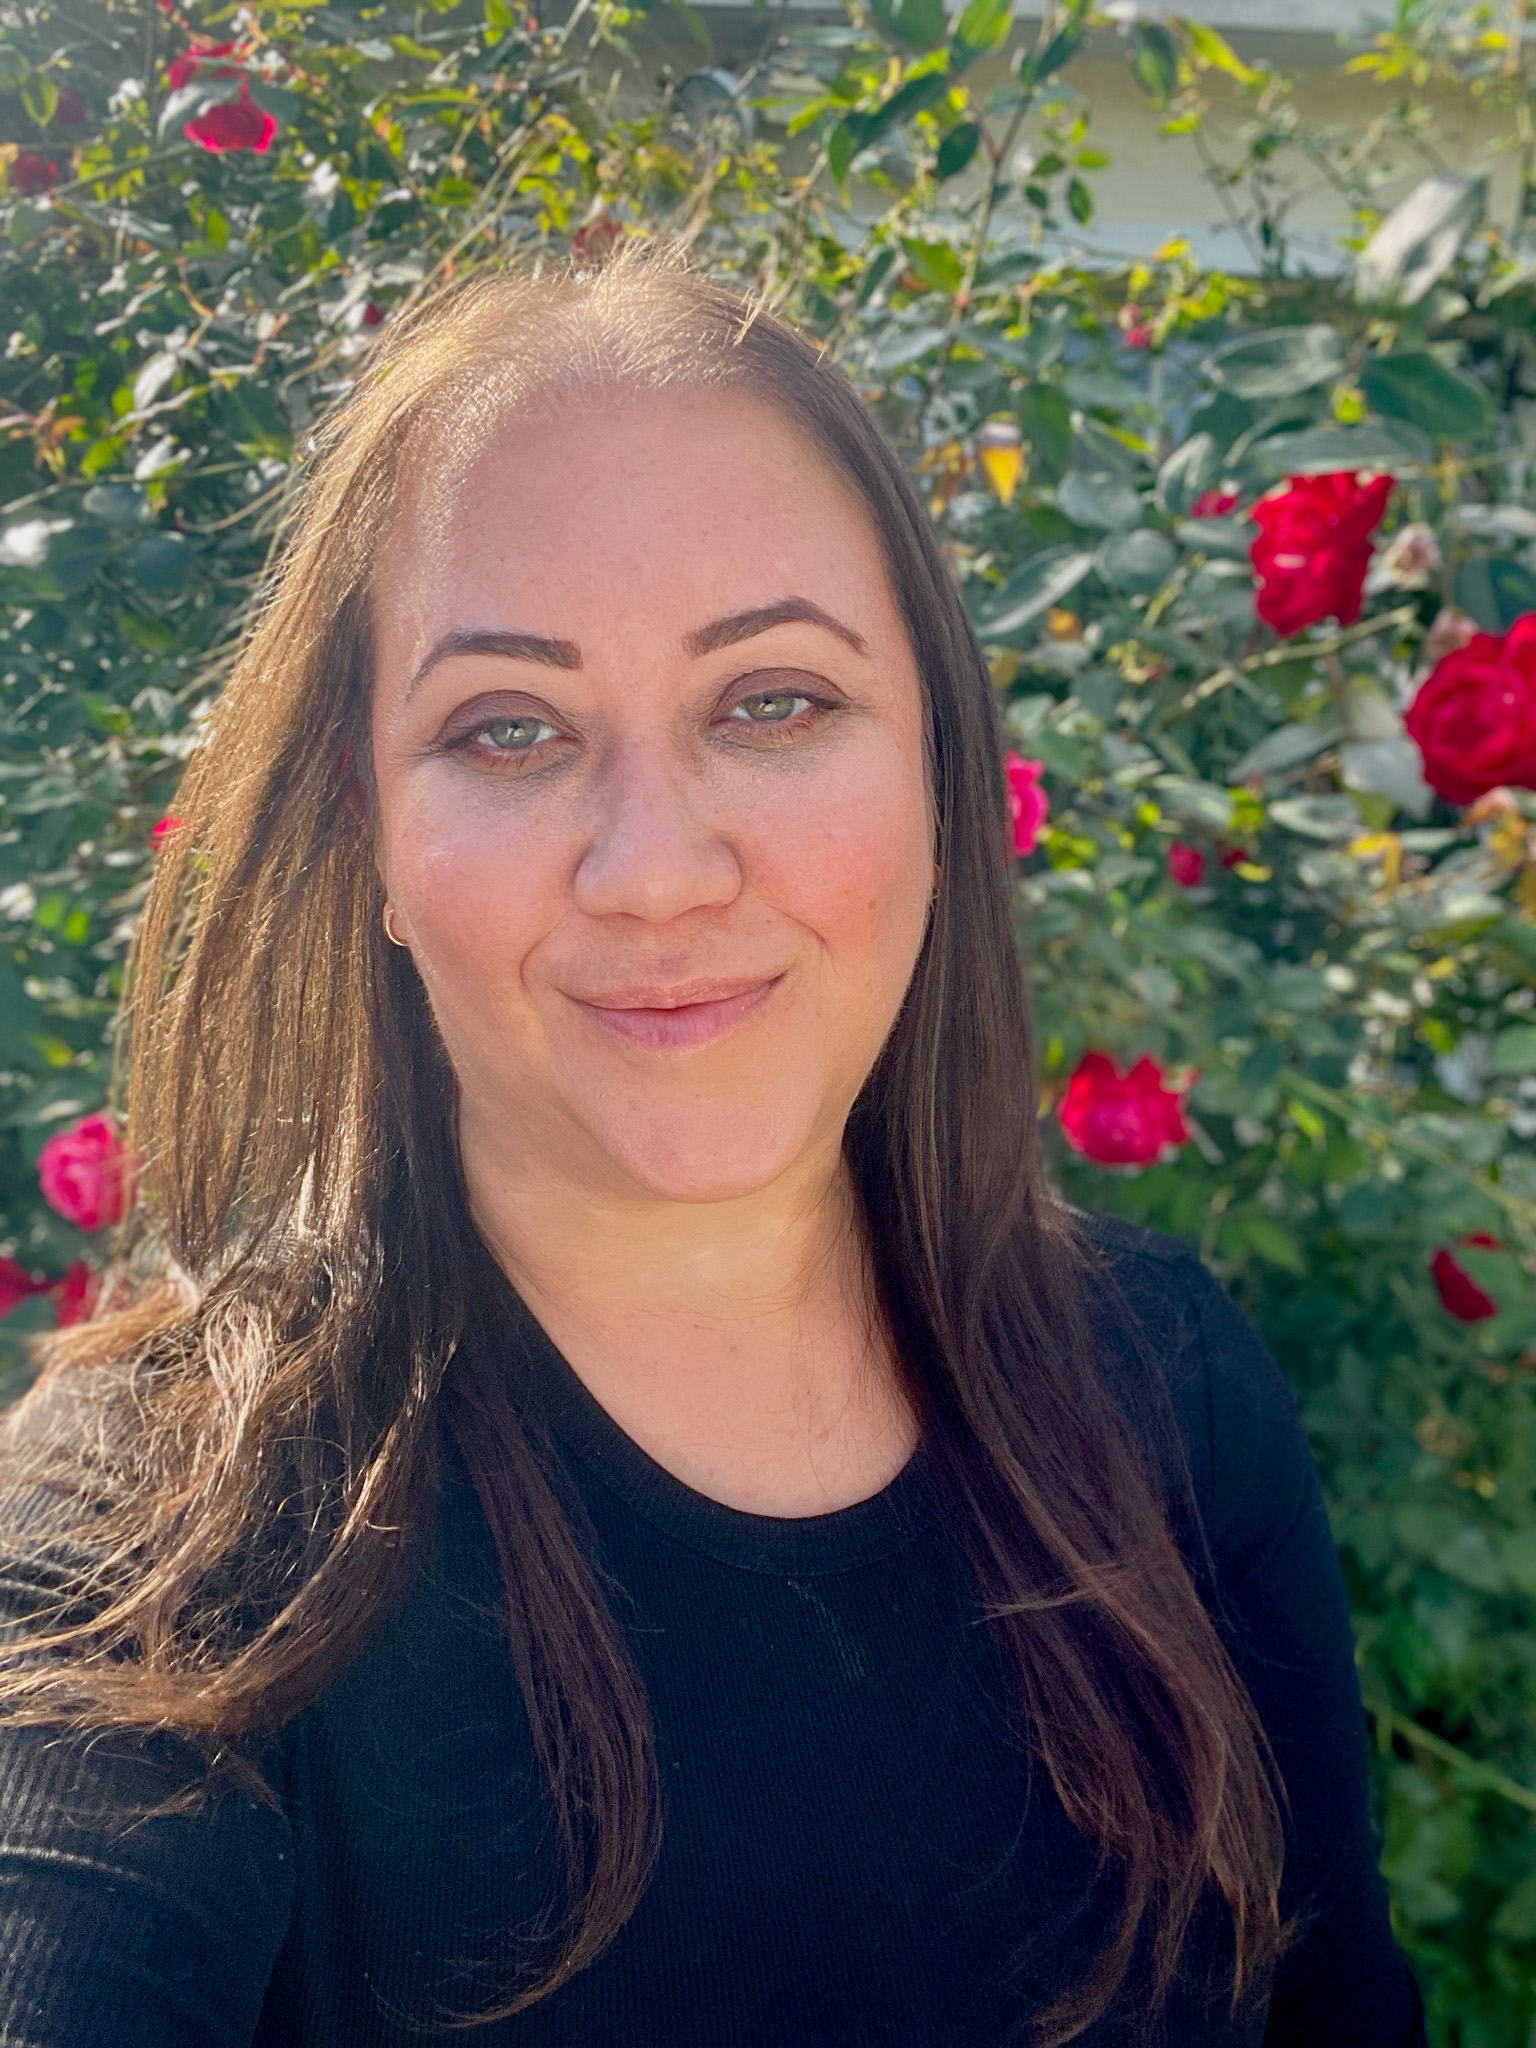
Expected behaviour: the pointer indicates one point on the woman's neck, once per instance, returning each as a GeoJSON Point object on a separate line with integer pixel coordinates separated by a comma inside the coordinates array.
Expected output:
{"type": "Point", "coordinates": [736, 1342]}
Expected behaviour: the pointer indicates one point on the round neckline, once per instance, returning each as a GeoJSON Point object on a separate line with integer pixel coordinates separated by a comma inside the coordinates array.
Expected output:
{"type": "Point", "coordinates": [787, 1546]}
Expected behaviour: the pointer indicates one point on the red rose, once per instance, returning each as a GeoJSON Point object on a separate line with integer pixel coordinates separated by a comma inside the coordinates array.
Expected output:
{"type": "Point", "coordinates": [81, 1173]}
{"type": "Point", "coordinates": [183, 69]}
{"type": "Point", "coordinates": [1314, 547]}
{"type": "Point", "coordinates": [74, 1295]}
{"type": "Point", "coordinates": [1474, 718]}
{"type": "Point", "coordinates": [1028, 804]}
{"type": "Point", "coordinates": [373, 314]}
{"type": "Point", "coordinates": [33, 174]}
{"type": "Point", "coordinates": [1121, 1119]}
{"type": "Point", "coordinates": [16, 1285]}
{"type": "Point", "coordinates": [70, 111]}
{"type": "Point", "coordinates": [1460, 1294]}
{"type": "Point", "coordinates": [1186, 865]}
{"type": "Point", "coordinates": [1214, 505]}
{"type": "Point", "coordinates": [233, 124]}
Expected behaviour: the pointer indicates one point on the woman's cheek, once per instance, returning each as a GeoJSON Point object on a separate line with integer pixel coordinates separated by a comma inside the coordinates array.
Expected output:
{"type": "Point", "coordinates": [472, 884]}
{"type": "Point", "coordinates": [849, 853]}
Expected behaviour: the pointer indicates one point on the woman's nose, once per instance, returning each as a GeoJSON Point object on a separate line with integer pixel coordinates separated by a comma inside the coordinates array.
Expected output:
{"type": "Point", "coordinates": [655, 851]}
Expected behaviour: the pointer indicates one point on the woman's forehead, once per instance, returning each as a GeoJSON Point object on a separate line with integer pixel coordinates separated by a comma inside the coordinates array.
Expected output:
{"type": "Point", "coordinates": [660, 493]}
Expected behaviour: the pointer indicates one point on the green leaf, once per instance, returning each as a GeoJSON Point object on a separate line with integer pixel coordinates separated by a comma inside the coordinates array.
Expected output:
{"type": "Point", "coordinates": [844, 144]}
{"type": "Point", "coordinates": [686, 13]}
{"type": "Point", "coordinates": [920, 24]}
{"type": "Point", "coordinates": [1317, 817]}
{"type": "Point", "coordinates": [1516, 1918]}
{"type": "Point", "coordinates": [1514, 1050]}
{"type": "Point", "coordinates": [1079, 201]}
{"type": "Point", "coordinates": [1279, 362]}
{"type": "Point", "coordinates": [499, 18]}
{"type": "Point", "coordinates": [39, 95]}
{"type": "Point", "coordinates": [1045, 420]}
{"type": "Point", "coordinates": [1139, 562]}
{"type": "Point", "coordinates": [1288, 746]}
{"type": "Point", "coordinates": [1418, 387]}
{"type": "Point", "coordinates": [282, 105]}
{"type": "Point", "coordinates": [936, 263]}
{"type": "Point", "coordinates": [1379, 444]}
{"type": "Point", "coordinates": [957, 149]}
{"type": "Point", "coordinates": [1419, 240]}
{"type": "Point", "coordinates": [13, 68]}
{"type": "Point", "coordinates": [1060, 50]}
{"type": "Point", "coordinates": [1030, 594]}
{"type": "Point", "coordinates": [118, 504]}
{"type": "Point", "coordinates": [1273, 1242]}
{"type": "Point", "coordinates": [980, 29]}
{"type": "Point", "coordinates": [1496, 590]}
{"type": "Point", "coordinates": [1155, 61]}
{"type": "Point", "coordinates": [1214, 50]}
{"type": "Point", "coordinates": [160, 561]}
{"type": "Point", "coordinates": [1092, 497]}
{"type": "Point", "coordinates": [922, 89]}
{"type": "Point", "coordinates": [1193, 467]}
{"type": "Point", "coordinates": [151, 636]}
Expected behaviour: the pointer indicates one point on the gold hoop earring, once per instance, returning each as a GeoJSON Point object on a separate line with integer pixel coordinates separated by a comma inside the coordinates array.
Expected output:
{"type": "Point", "coordinates": [389, 928]}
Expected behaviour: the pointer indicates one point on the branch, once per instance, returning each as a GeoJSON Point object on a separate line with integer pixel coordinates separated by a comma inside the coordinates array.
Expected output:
{"type": "Point", "coordinates": [1277, 657]}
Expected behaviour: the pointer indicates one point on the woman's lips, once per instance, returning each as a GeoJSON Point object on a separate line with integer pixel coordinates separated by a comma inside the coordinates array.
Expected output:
{"type": "Point", "coordinates": [659, 1025]}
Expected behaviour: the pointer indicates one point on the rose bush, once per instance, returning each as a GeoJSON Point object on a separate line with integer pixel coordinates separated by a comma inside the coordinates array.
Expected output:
{"type": "Point", "coordinates": [1243, 856]}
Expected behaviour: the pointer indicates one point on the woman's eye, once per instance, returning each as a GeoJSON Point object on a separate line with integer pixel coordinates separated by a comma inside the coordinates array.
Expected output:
{"type": "Point", "coordinates": [770, 707]}
{"type": "Point", "coordinates": [513, 735]}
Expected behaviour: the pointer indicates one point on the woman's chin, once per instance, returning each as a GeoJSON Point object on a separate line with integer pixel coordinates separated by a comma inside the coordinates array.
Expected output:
{"type": "Point", "coordinates": [712, 1157]}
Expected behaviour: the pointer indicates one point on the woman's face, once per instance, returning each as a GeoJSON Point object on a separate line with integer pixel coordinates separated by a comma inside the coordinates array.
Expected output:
{"type": "Point", "coordinates": [653, 819]}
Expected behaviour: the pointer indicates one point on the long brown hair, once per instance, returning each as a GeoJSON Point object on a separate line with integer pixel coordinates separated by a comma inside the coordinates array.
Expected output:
{"type": "Point", "coordinates": [301, 1303]}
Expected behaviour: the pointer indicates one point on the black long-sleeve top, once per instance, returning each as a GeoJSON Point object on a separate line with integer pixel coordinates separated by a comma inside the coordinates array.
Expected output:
{"type": "Point", "coordinates": [856, 1849]}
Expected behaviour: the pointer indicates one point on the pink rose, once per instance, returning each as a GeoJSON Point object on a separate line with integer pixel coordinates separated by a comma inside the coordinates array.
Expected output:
{"type": "Point", "coordinates": [1186, 865]}
{"type": "Point", "coordinates": [1028, 804]}
{"type": "Point", "coordinates": [16, 1285]}
{"type": "Point", "coordinates": [81, 1173]}
{"type": "Point", "coordinates": [1121, 1119]}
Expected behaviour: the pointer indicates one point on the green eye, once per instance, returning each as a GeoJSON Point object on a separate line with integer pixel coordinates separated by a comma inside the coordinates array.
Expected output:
{"type": "Point", "coordinates": [515, 735]}
{"type": "Point", "coordinates": [771, 707]}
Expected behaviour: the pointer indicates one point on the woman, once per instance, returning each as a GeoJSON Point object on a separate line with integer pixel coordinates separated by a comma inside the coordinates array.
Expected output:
{"type": "Point", "coordinates": [614, 1506]}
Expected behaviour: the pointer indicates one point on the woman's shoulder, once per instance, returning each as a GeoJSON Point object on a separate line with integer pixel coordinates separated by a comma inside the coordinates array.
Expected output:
{"type": "Point", "coordinates": [1199, 1388]}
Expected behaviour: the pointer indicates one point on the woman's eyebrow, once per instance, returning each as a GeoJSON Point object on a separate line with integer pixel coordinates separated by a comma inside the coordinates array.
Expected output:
{"type": "Point", "coordinates": [566, 654]}
{"type": "Point", "coordinates": [511, 646]}
{"type": "Point", "coordinates": [787, 611]}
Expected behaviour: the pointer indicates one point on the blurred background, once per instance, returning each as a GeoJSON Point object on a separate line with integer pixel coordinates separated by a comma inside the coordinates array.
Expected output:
{"type": "Point", "coordinates": [1210, 344]}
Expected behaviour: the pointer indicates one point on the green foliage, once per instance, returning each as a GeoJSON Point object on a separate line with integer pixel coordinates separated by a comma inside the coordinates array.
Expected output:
{"type": "Point", "coordinates": [1353, 980]}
